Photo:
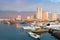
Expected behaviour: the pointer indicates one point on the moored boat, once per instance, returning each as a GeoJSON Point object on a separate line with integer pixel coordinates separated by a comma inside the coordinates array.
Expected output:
{"type": "Point", "coordinates": [34, 35]}
{"type": "Point", "coordinates": [53, 26]}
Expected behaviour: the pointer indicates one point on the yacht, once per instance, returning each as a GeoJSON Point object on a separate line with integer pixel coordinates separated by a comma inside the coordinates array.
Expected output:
{"type": "Point", "coordinates": [28, 28]}
{"type": "Point", "coordinates": [32, 27]}
{"type": "Point", "coordinates": [34, 35]}
{"type": "Point", "coordinates": [53, 26]}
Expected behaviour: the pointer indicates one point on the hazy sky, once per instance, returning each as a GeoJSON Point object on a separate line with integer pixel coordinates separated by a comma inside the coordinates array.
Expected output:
{"type": "Point", "coordinates": [30, 5]}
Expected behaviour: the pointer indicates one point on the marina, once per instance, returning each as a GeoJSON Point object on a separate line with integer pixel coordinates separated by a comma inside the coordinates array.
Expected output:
{"type": "Point", "coordinates": [55, 33]}
{"type": "Point", "coordinates": [29, 19]}
{"type": "Point", "coordinates": [10, 32]}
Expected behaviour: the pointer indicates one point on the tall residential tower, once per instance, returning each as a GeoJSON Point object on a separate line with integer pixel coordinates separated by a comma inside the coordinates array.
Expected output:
{"type": "Point", "coordinates": [39, 13]}
{"type": "Point", "coordinates": [45, 16]}
{"type": "Point", "coordinates": [54, 16]}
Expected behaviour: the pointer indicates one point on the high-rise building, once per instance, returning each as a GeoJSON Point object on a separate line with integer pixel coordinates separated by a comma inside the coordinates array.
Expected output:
{"type": "Point", "coordinates": [54, 16]}
{"type": "Point", "coordinates": [45, 16]}
{"type": "Point", "coordinates": [39, 13]}
{"type": "Point", "coordinates": [32, 17]}
{"type": "Point", "coordinates": [28, 17]}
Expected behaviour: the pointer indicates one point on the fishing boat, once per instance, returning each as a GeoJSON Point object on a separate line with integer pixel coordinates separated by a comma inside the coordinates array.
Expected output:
{"type": "Point", "coordinates": [33, 35]}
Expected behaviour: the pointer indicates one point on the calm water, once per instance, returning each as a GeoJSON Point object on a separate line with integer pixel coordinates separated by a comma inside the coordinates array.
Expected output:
{"type": "Point", "coordinates": [15, 32]}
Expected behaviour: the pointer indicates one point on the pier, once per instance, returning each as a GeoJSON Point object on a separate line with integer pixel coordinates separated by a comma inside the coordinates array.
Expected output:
{"type": "Point", "coordinates": [40, 31]}
{"type": "Point", "coordinates": [55, 33]}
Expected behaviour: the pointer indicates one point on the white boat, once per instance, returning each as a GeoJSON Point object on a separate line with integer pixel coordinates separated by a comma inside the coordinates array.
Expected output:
{"type": "Point", "coordinates": [32, 27]}
{"type": "Point", "coordinates": [33, 35]}
{"type": "Point", "coordinates": [28, 28]}
{"type": "Point", "coordinates": [53, 26]}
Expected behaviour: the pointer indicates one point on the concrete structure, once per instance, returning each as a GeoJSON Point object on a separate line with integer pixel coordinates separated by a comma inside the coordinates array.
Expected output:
{"type": "Point", "coordinates": [18, 18]}
{"type": "Point", "coordinates": [39, 13]}
{"type": "Point", "coordinates": [32, 17]}
{"type": "Point", "coordinates": [45, 16]}
{"type": "Point", "coordinates": [54, 16]}
{"type": "Point", "coordinates": [28, 18]}
{"type": "Point", "coordinates": [4, 19]}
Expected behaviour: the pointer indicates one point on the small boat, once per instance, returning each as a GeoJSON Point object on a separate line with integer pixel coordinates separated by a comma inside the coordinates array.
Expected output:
{"type": "Point", "coordinates": [34, 35]}
{"type": "Point", "coordinates": [28, 28]}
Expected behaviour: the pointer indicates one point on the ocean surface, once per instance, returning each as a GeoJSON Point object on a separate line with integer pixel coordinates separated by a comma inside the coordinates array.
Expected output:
{"type": "Point", "coordinates": [15, 32]}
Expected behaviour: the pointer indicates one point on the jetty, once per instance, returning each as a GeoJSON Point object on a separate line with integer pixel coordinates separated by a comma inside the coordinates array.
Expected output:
{"type": "Point", "coordinates": [39, 31]}
{"type": "Point", "coordinates": [55, 33]}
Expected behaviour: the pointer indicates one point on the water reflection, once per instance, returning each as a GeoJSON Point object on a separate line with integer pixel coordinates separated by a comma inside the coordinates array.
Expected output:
{"type": "Point", "coordinates": [17, 25]}
{"type": "Point", "coordinates": [9, 32]}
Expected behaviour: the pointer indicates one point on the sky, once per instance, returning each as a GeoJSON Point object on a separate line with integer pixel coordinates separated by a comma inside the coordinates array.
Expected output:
{"type": "Point", "coordinates": [30, 5]}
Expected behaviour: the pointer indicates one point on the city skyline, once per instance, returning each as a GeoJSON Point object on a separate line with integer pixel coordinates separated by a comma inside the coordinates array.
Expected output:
{"type": "Point", "coordinates": [39, 14]}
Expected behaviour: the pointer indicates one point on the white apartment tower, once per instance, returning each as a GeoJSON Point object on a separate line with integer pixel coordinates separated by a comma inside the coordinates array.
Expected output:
{"type": "Point", "coordinates": [39, 13]}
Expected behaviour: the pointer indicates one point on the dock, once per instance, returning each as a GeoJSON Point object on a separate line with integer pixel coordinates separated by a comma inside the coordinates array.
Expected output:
{"type": "Point", "coordinates": [55, 34]}
{"type": "Point", "coordinates": [39, 31]}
